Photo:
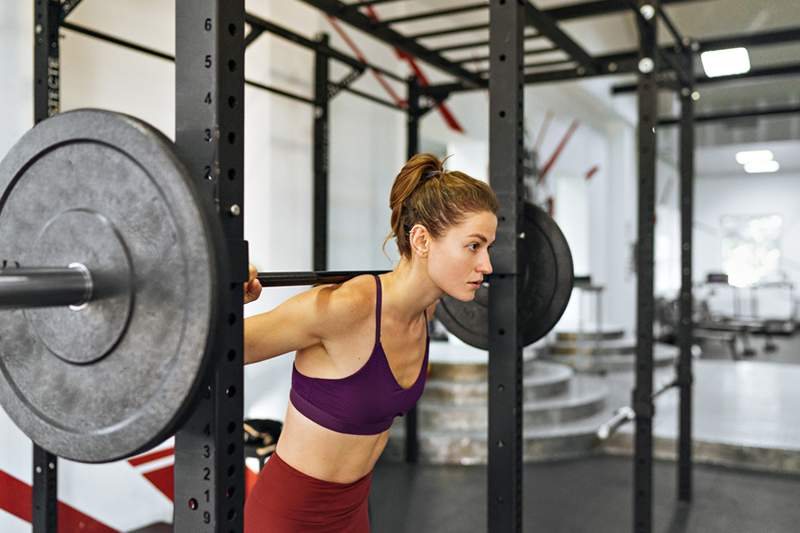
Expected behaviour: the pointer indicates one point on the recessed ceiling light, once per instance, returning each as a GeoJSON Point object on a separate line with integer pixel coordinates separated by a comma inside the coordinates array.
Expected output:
{"type": "Point", "coordinates": [725, 62]}
{"type": "Point", "coordinates": [760, 167]}
{"type": "Point", "coordinates": [750, 156]}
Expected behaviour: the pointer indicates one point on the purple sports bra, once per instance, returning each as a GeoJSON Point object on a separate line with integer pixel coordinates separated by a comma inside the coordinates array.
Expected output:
{"type": "Point", "coordinates": [364, 403]}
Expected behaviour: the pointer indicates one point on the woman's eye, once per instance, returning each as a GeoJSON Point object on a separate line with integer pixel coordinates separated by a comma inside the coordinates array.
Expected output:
{"type": "Point", "coordinates": [473, 246]}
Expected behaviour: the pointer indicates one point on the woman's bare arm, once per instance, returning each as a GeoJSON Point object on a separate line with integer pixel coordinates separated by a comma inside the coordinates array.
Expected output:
{"type": "Point", "coordinates": [305, 320]}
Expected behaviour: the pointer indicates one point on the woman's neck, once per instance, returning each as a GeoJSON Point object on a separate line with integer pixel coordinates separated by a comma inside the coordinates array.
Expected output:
{"type": "Point", "coordinates": [410, 290]}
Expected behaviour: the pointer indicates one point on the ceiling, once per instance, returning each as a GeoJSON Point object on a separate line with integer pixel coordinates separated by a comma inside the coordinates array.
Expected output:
{"type": "Point", "coordinates": [714, 161]}
{"type": "Point", "coordinates": [696, 19]}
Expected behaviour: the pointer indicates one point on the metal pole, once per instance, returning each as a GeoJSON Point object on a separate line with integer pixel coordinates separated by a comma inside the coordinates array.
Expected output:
{"type": "Point", "coordinates": [506, 155]}
{"type": "Point", "coordinates": [296, 279]}
{"type": "Point", "coordinates": [412, 147]}
{"type": "Point", "coordinates": [44, 287]}
{"type": "Point", "coordinates": [321, 149]}
{"type": "Point", "coordinates": [642, 394]}
{"type": "Point", "coordinates": [209, 119]}
{"type": "Point", "coordinates": [685, 333]}
{"type": "Point", "coordinates": [46, 103]}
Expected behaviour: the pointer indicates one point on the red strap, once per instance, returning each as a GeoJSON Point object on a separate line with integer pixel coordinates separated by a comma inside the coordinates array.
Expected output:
{"type": "Point", "coordinates": [360, 55]}
{"type": "Point", "coordinates": [560, 148]}
{"type": "Point", "coordinates": [448, 116]}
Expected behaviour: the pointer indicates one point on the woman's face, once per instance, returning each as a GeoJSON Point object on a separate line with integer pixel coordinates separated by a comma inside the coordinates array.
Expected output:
{"type": "Point", "coordinates": [459, 259]}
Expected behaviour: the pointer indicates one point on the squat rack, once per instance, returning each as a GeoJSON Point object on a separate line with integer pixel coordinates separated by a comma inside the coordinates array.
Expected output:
{"type": "Point", "coordinates": [209, 124]}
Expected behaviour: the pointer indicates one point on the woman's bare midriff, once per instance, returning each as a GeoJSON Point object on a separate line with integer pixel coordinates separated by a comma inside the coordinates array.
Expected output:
{"type": "Point", "coordinates": [324, 454]}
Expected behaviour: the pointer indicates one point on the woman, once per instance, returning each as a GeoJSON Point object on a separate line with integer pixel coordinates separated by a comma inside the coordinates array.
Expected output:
{"type": "Point", "coordinates": [362, 352]}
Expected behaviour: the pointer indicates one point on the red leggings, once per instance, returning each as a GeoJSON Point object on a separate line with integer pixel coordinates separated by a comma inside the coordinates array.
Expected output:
{"type": "Point", "coordinates": [285, 500]}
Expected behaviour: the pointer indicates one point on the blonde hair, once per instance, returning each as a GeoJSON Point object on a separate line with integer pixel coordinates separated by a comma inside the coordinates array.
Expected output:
{"type": "Point", "coordinates": [425, 193]}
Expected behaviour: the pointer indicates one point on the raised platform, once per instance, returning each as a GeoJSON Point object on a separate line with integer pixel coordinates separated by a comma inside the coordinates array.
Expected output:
{"type": "Point", "coordinates": [561, 411]}
{"type": "Point", "coordinates": [745, 415]}
{"type": "Point", "coordinates": [745, 412]}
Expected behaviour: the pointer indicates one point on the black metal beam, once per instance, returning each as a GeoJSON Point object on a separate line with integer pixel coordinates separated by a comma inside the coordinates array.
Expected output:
{"type": "Point", "coordinates": [680, 42]}
{"type": "Point", "coordinates": [548, 63]}
{"type": "Point", "coordinates": [46, 103]}
{"type": "Point", "coordinates": [67, 7]}
{"type": "Point", "coordinates": [536, 65]}
{"type": "Point", "coordinates": [448, 31]}
{"type": "Point", "coordinates": [321, 146]}
{"type": "Point", "coordinates": [526, 53]}
{"type": "Point", "coordinates": [779, 36]}
{"type": "Point", "coordinates": [209, 97]}
{"type": "Point", "coordinates": [791, 69]}
{"type": "Point", "coordinates": [545, 25]}
{"type": "Point", "coordinates": [366, 3]}
{"type": "Point", "coordinates": [642, 394]}
{"type": "Point", "coordinates": [739, 114]}
{"type": "Point", "coordinates": [685, 378]}
{"type": "Point", "coordinates": [434, 14]}
{"type": "Point", "coordinates": [412, 147]}
{"type": "Point", "coordinates": [255, 33]}
{"type": "Point", "coordinates": [506, 151]}
{"type": "Point", "coordinates": [44, 516]}
{"type": "Point", "coordinates": [389, 36]}
{"type": "Point", "coordinates": [116, 40]}
{"type": "Point", "coordinates": [476, 44]}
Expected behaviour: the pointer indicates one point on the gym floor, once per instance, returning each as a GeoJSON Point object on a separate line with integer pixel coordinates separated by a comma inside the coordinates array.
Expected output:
{"type": "Point", "coordinates": [586, 495]}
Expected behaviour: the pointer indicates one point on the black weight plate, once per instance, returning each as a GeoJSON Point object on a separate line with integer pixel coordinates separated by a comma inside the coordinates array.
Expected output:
{"type": "Point", "coordinates": [113, 377]}
{"type": "Point", "coordinates": [547, 281]}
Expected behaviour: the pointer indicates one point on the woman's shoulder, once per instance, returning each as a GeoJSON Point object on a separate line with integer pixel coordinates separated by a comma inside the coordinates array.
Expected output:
{"type": "Point", "coordinates": [344, 304]}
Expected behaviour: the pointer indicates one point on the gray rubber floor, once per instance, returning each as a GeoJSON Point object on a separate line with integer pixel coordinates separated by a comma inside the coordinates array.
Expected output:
{"type": "Point", "coordinates": [588, 495]}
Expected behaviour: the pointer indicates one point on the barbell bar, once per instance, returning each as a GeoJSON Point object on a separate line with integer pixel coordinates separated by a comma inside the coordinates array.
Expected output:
{"type": "Point", "coordinates": [31, 287]}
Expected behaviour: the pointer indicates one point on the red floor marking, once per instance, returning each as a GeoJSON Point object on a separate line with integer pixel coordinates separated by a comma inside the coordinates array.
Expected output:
{"type": "Point", "coordinates": [15, 498]}
{"type": "Point", "coordinates": [164, 480]}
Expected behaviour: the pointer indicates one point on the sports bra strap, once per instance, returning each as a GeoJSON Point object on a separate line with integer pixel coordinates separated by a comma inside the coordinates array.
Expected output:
{"type": "Point", "coordinates": [378, 311]}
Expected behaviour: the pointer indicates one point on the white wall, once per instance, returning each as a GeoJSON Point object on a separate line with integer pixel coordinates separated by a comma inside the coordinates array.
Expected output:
{"type": "Point", "coordinates": [745, 195]}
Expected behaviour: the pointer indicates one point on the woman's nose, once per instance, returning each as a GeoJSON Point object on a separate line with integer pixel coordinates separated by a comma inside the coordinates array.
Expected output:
{"type": "Point", "coordinates": [486, 265]}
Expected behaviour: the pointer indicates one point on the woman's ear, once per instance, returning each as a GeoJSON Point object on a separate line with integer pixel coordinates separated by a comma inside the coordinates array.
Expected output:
{"type": "Point", "coordinates": [420, 240]}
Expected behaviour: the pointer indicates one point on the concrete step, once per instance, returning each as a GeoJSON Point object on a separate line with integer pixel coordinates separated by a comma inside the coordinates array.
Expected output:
{"type": "Point", "coordinates": [590, 332]}
{"type": "Point", "coordinates": [568, 440]}
{"type": "Point", "coordinates": [458, 362]}
{"type": "Point", "coordinates": [625, 345]}
{"type": "Point", "coordinates": [663, 355]}
{"type": "Point", "coordinates": [542, 380]}
{"type": "Point", "coordinates": [585, 397]}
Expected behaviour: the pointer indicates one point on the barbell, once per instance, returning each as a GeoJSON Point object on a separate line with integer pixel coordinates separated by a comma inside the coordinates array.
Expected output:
{"type": "Point", "coordinates": [112, 279]}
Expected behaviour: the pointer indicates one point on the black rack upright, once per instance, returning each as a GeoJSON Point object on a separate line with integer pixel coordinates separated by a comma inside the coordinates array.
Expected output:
{"type": "Point", "coordinates": [209, 123]}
